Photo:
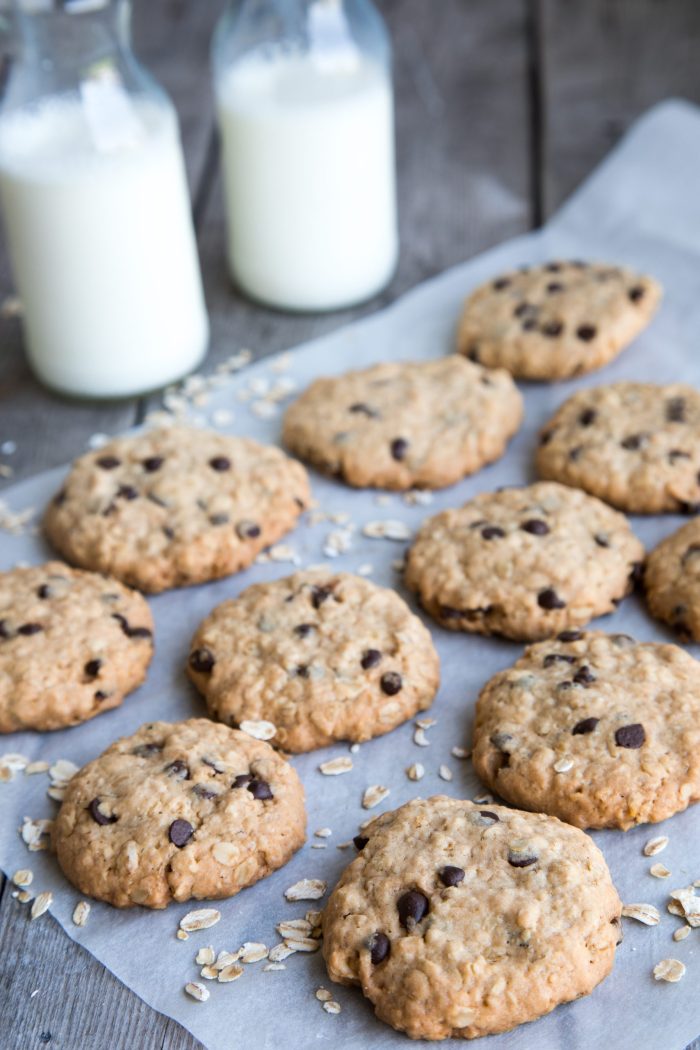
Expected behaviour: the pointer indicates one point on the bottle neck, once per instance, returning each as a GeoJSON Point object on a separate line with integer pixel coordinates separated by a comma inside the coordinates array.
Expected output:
{"type": "Point", "coordinates": [70, 35]}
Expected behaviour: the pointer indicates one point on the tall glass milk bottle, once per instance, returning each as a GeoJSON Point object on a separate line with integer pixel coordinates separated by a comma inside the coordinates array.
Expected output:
{"type": "Point", "coordinates": [96, 206]}
{"type": "Point", "coordinates": [305, 107]}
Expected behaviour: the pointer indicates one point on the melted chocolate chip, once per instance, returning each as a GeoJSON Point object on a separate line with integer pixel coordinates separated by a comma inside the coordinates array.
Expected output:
{"type": "Point", "coordinates": [632, 736]}
{"type": "Point", "coordinates": [242, 780]}
{"type": "Point", "coordinates": [219, 519]}
{"type": "Point", "coordinates": [220, 463]}
{"type": "Point", "coordinates": [260, 789]}
{"type": "Point", "coordinates": [180, 833]}
{"type": "Point", "coordinates": [521, 309]}
{"type": "Point", "coordinates": [391, 683]}
{"type": "Point", "coordinates": [675, 410]}
{"type": "Point", "coordinates": [584, 676]}
{"type": "Point", "coordinates": [473, 354]}
{"type": "Point", "coordinates": [152, 464]}
{"type": "Point", "coordinates": [319, 595]}
{"type": "Point", "coordinates": [30, 628]}
{"type": "Point", "coordinates": [554, 658]}
{"type": "Point", "coordinates": [451, 875]}
{"type": "Point", "coordinates": [636, 293]}
{"type": "Point", "coordinates": [399, 448]}
{"type": "Point", "coordinates": [552, 328]}
{"type": "Point", "coordinates": [178, 770]}
{"type": "Point", "coordinates": [553, 267]}
{"type": "Point", "coordinates": [145, 750]}
{"type": "Point", "coordinates": [555, 286]}
{"type": "Point", "coordinates": [92, 668]}
{"type": "Point", "coordinates": [303, 630]}
{"type": "Point", "coordinates": [43, 592]}
{"type": "Point", "coordinates": [587, 417]}
{"type": "Point", "coordinates": [570, 636]}
{"type": "Point", "coordinates": [488, 817]}
{"type": "Point", "coordinates": [100, 695]}
{"type": "Point", "coordinates": [248, 530]}
{"type": "Point", "coordinates": [500, 283]}
{"type": "Point", "coordinates": [98, 816]}
{"type": "Point", "coordinates": [379, 947]}
{"type": "Point", "coordinates": [202, 661]}
{"type": "Point", "coordinates": [549, 599]}
{"type": "Point", "coordinates": [677, 453]}
{"type": "Point", "coordinates": [633, 442]}
{"type": "Point", "coordinates": [529, 324]}
{"type": "Point", "coordinates": [586, 725]}
{"type": "Point", "coordinates": [492, 532]}
{"type": "Point", "coordinates": [302, 670]}
{"type": "Point", "coordinates": [361, 408]}
{"type": "Point", "coordinates": [360, 841]}
{"type": "Point", "coordinates": [575, 453]}
{"type": "Point", "coordinates": [370, 658]}
{"type": "Point", "coordinates": [127, 492]}
{"type": "Point", "coordinates": [108, 462]}
{"type": "Point", "coordinates": [586, 332]}
{"type": "Point", "coordinates": [521, 858]}
{"type": "Point", "coordinates": [131, 632]}
{"type": "Point", "coordinates": [535, 526]}
{"type": "Point", "coordinates": [412, 907]}
{"type": "Point", "coordinates": [601, 540]}
{"type": "Point", "coordinates": [4, 633]}
{"type": "Point", "coordinates": [202, 791]}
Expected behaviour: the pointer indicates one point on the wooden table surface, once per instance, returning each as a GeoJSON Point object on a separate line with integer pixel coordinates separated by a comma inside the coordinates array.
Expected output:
{"type": "Point", "coordinates": [503, 107]}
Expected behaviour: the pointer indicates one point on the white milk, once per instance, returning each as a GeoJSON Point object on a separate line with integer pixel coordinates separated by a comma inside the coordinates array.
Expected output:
{"type": "Point", "coordinates": [102, 247]}
{"type": "Point", "coordinates": [308, 162]}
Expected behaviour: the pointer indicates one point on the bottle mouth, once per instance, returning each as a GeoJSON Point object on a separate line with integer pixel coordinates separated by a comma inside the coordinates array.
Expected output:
{"type": "Point", "coordinates": [70, 7]}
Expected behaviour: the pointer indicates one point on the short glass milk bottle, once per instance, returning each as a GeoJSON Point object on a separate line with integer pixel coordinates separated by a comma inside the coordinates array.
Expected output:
{"type": "Point", "coordinates": [305, 107]}
{"type": "Point", "coordinates": [96, 206]}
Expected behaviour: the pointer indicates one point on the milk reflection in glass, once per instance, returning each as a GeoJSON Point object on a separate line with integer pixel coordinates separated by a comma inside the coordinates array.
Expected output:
{"type": "Point", "coordinates": [309, 178]}
{"type": "Point", "coordinates": [102, 246]}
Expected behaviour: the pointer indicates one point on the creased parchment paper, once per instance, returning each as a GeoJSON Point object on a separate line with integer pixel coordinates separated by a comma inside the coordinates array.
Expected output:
{"type": "Point", "coordinates": [642, 208]}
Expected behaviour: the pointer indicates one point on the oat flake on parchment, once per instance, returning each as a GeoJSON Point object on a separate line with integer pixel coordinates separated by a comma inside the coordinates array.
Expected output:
{"type": "Point", "coordinates": [681, 933]}
{"type": "Point", "coordinates": [41, 904]}
{"type": "Point", "coordinates": [335, 766]}
{"type": "Point", "coordinates": [23, 877]}
{"type": "Point", "coordinates": [387, 530]}
{"type": "Point", "coordinates": [416, 771]}
{"type": "Point", "coordinates": [645, 913]}
{"type": "Point", "coordinates": [306, 890]}
{"type": "Point", "coordinates": [669, 970]}
{"type": "Point", "coordinates": [205, 956]}
{"type": "Point", "coordinates": [332, 1007]}
{"type": "Point", "coordinates": [199, 919]}
{"type": "Point", "coordinates": [659, 871]}
{"type": "Point", "coordinates": [655, 845]}
{"type": "Point", "coordinates": [81, 913]}
{"type": "Point", "coordinates": [373, 795]}
{"type": "Point", "coordinates": [197, 991]}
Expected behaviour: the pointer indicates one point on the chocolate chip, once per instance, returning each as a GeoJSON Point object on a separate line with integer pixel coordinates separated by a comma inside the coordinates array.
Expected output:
{"type": "Point", "coordinates": [391, 683]}
{"type": "Point", "coordinates": [202, 661]}
{"type": "Point", "coordinates": [248, 530]}
{"type": "Point", "coordinates": [319, 595]}
{"type": "Point", "coordinates": [555, 286]}
{"type": "Point", "coordinates": [633, 442]}
{"type": "Point", "coordinates": [675, 410]}
{"type": "Point", "coordinates": [552, 328]}
{"type": "Point", "coordinates": [505, 742]}
{"type": "Point", "coordinates": [521, 309]}
{"type": "Point", "coordinates": [212, 764]}
{"type": "Point", "coordinates": [153, 498]}
{"type": "Point", "coordinates": [43, 592]}
{"type": "Point", "coordinates": [587, 417]}
{"type": "Point", "coordinates": [360, 841]}
{"type": "Point", "coordinates": [131, 632]}
{"type": "Point", "coordinates": [535, 526]}
{"type": "Point", "coordinates": [451, 876]}
{"type": "Point", "coordinates": [529, 324]}
{"type": "Point", "coordinates": [586, 332]}
{"type": "Point", "coordinates": [575, 453]}
{"type": "Point", "coordinates": [242, 780]}
{"type": "Point", "coordinates": [220, 463]}
{"type": "Point", "coordinates": [98, 816]}
{"type": "Point", "coordinates": [677, 453]}
{"type": "Point", "coordinates": [4, 633]}
{"type": "Point", "coordinates": [145, 750]}
{"type": "Point", "coordinates": [584, 676]}
{"type": "Point", "coordinates": [363, 409]}
{"type": "Point", "coordinates": [302, 670]}
{"type": "Point", "coordinates": [545, 437]}
{"type": "Point", "coordinates": [92, 668]}
{"type": "Point", "coordinates": [500, 283]}
{"type": "Point", "coordinates": [379, 947]}
{"type": "Point", "coordinates": [127, 492]}
{"type": "Point", "coordinates": [108, 462]}
{"type": "Point", "coordinates": [399, 448]}
{"type": "Point", "coordinates": [303, 630]}
{"type": "Point", "coordinates": [100, 695]}
{"type": "Point", "coordinates": [570, 636]}
{"type": "Point", "coordinates": [554, 658]}
{"type": "Point", "coordinates": [636, 293]}
{"type": "Point", "coordinates": [601, 539]}
{"type": "Point", "coordinates": [553, 267]}
{"type": "Point", "coordinates": [152, 464]}
{"type": "Point", "coordinates": [549, 599]}
{"type": "Point", "coordinates": [260, 789]}
{"type": "Point", "coordinates": [201, 791]}
{"type": "Point", "coordinates": [169, 533]}
{"type": "Point", "coordinates": [492, 532]}
{"type": "Point", "coordinates": [180, 833]}
{"type": "Point", "coordinates": [370, 658]}
{"type": "Point", "coordinates": [30, 628]}
{"type": "Point", "coordinates": [637, 573]}
{"type": "Point", "coordinates": [690, 551]}
{"type": "Point", "coordinates": [473, 354]}
{"type": "Point", "coordinates": [521, 858]}
{"type": "Point", "coordinates": [488, 817]}
{"type": "Point", "coordinates": [60, 498]}
{"type": "Point", "coordinates": [219, 519]}
{"type": "Point", "coordinates": [632, 736]}
{"type": "Point", "coordinates": [178, 770]}
{"type": "Point", "coordinates": [586, 725]}
{"type": "Point", "coordinates": [412, 907]}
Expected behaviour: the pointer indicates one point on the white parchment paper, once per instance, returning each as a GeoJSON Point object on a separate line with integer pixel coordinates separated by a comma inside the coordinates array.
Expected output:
{"type": "Point", "coordinates": [641, 207]}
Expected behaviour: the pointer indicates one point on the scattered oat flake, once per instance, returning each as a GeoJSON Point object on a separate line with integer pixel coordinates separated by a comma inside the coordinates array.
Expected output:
{"type": "Point", "coordinates": [354, 748]}
{"type": "Point", "coordinates": [681, 933]}
{"type": "Point", "coordinates": [366, 569]}
{"type": "Point", "coordinates": [283, 552]}
{"type": "Point", "coordinates": [323, 995]}
{"type": "Point", "coordinates": [460, 752]}
{"type": "Point", "coordinates": [36, 767]}
{"type": "Point", "coordinates": [335, 766]}
{"type": "Point", "coordinates": [303, 944]}
{"type": "Point", "coordinates": [41, 904]}
{"type": "Point", "coordinates": [56, 793]}
{"type": "Point", "coordinates": [344, 845]}
{"type": "Point", "coordinates": [445, 773]}
{"type": "Point", "coordinates": [209, 973]}
{"type": "Point", "coordinates": [654, 846]}
{"type": "Point", "coordinates": [689, 902]}
{"type": "Point", "coordinates": [416, 771]}
{"type": "Point", "coordinates": [34, 833]}
{"type": "Point", "coordinates": [659, 871]}
{"type": "Point", "coordinates": [306, 890]}
{"type": "Point", "coordinates": [387, 530]}
{"type": "Point", "coordinates": [98, 440]}
{"type": "Point", "coordinates": [294, 929]}
{"type": "Point", "coordinates": [420, 738]}
{"type": "Point", "coordinates": [197, 991]}
{"type": "Point", "coordinates": [23, 896]}
{"type": "Point", "coordinates": [199, 919]}
{"type": "Point", "coordinates": [319, 845]}
{"type": "Point", "coordinates": [373, 795]}
{"type": "Point", "coordinates": [81, 913]}
{"type": "Point", "coordinates": [182, 936]}
{"type": "Point", "coordinates": [14, 761]}
{"type": "Point", "coordinates": [483, 800]}
{"type": "Point", "coordinates": [273, 966]}
{"type": "Point", "coordinates": [253, 951]}
{"type": "Point", "coordinates": [675, 909]}
{"type": "Point", "coordinates": [63, 771]}
{"type": "Point", "coordinates": [222, 417]}
{"type": "Point", "coordinates": [261, 730]}
{"type": "Point", "coordinates": [230, 973]}
{"type": "Point", "coordinates": [645, 913]}
{"type": "Point", "coordinates": [332, 1007]}
{"type": "Point", "coordinates": [669, 970]}
{"type": "Point", "coordinates": [563, 765]}
{"type": "Point", "coordinates": [323, 833]}
{"type": "Point", "coordinates": [280, 952]}
{"type": "Point", "coordinates": [23, 877]}
{"type": "Point", "coordinates": [418, 498]}
{"type": "Point", "coordinates": [205, 956]}
{"type": "Point", "coordinates": [8, 448]}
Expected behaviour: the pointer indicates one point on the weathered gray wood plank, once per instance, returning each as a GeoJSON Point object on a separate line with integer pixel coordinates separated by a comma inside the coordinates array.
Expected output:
{"type": "Point", "coordinates": [603, 63]}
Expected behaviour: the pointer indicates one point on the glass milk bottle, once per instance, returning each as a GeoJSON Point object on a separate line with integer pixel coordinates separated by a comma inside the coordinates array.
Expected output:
{"type": "Point", "coordinates": [96, 206]}
{"type": "Point", "coordinates": [305, 109]}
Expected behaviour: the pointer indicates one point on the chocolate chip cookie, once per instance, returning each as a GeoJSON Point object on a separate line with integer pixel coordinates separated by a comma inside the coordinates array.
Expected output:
{"type": "Point", "coordinates": [672, 581]}
{"type": "Point", "coordinates": [597, 729]}
{"type": "Point", "coordinates": [322, 656]}
{"type": "Point", "coordinates": [636, 445]}
{"type": "Point", "coordinates": [72, 645]}
{"type": "Point", "coordinates": [425, 424]}
{"type": "Point", "coordinates": [178, 811]}
{"type": "Point", "coordinates": [556, 321]}
{"type": "Point", "coordinates": [171, 507]}
{"type": "Point", "coordinates": [524, 562]}
{"type": "Point", "coordinates": [460, 921]}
